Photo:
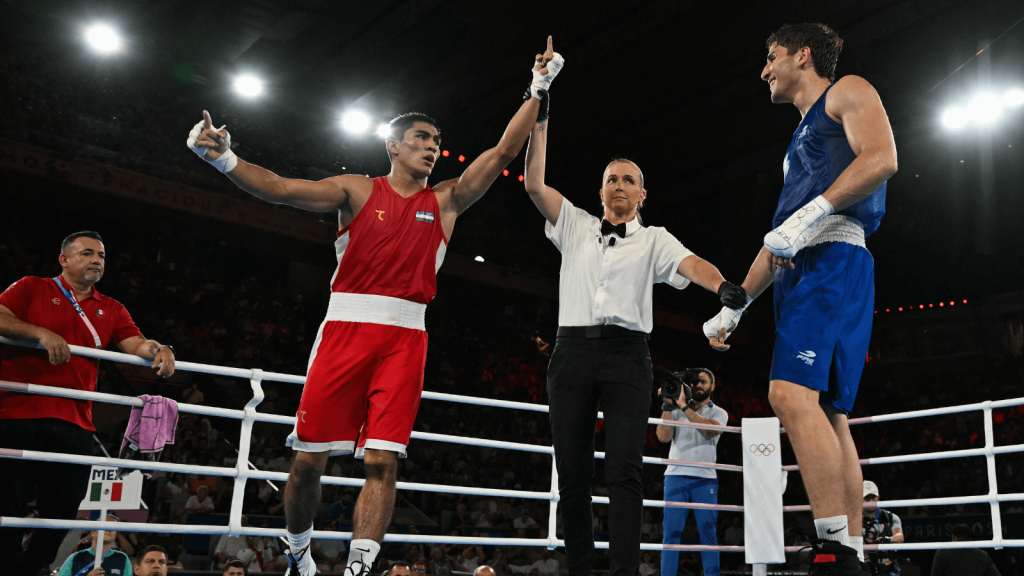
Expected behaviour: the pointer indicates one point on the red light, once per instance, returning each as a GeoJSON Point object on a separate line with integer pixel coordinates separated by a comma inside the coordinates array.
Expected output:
{"type": "Point", "coordinates": [504, 172]}
{"type": "Point", "coordinates": [951, 303]}
{"type": "Point", "coordinates": [922, 306]}
{"type": "Point", "coordinates": [444, 153]}
{"type": "Point", "coordinates": [521, 178]}
{"type": "Point", "coordinates": [462, 158]}
{"type": "Point", "coordinates": [931, 305]}
{"type": "Point", "coordinates": [886, 309]}
{"type": "Point", "coordinates": [965, 301]}
{"type": "Point", "coordinates": [901, 309]}
{"type": "Point", "coordinates": [941, 304]}
{"type": "Point", "coordinates": [876, 311]}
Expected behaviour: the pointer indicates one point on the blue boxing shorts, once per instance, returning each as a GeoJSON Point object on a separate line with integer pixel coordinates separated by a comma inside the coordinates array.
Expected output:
{"type": "Point", "coordinates": [823, 314]}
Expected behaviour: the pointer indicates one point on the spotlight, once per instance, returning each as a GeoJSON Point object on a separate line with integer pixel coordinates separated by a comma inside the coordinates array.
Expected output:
{"type": "Point", "coordinates": [355, 122]}
{"type": "Point", "coordinates": [955, 117]}
{"type": "Point", "coordinates": [479, 258]}
{"type": "Point", "coordinates": [248, 86]}
{"type": "Point", "coordinates": [984, 108]}
{"type": "Point", "coordinates": [103, 38]}
{"type": "Point", "coordinates": [384, 130]}
{"type": "Point", "coordinates": [444, 153]}
{"type": "Point", "coordinates": [504, 172]}
{"type": "Point", "coordinates": [1013, 98]}
{"type": "Point", "coordinates": [521, 178]}
{"type": "Point", "coordinates": [462, 158]}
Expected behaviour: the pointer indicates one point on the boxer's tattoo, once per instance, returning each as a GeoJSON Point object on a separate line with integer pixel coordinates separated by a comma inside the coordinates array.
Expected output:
{"type": "Point", "coordinates": [153, 349]}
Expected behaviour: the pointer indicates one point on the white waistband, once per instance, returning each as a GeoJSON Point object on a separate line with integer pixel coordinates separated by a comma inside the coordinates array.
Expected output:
{"type": "Point", "coordinates": [373, 309]}
{"type": "Point", "coordinates": [836, 228]}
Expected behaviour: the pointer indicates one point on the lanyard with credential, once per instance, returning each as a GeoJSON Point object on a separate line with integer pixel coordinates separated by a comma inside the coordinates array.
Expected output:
{"type": "Point", "coordinates": [74, 302]}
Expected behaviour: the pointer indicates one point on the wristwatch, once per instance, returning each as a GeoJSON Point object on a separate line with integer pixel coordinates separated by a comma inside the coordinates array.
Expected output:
{"type": "Point", "coordinates": [162, 346]}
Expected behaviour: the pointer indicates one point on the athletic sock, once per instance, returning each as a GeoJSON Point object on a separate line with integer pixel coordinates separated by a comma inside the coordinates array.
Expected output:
{"type": "Point", "coordinates": [857, 543]}
{"type": "Point", "coordinates": [361, 555]}
{"type": "Point", "coordinates": [296, 542]}
{"type": "Point", "coordinates": [834, 528]}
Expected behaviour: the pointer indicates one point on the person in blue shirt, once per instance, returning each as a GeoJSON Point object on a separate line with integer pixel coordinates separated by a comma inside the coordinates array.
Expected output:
{"type": "Point", "coordinates": [83, 562]}
{"type": "Point", "coordinates": [836, 169]}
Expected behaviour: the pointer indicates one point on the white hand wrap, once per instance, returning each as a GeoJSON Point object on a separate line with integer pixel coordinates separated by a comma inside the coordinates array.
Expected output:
{"type": "Point", "coordinates": [791, 235]}
{"type": "Point", "coordinates": [543, 81]}
{"type": "Point", "coordinates": [226, 162]}
{"type": "Point", "coordinates": [727, 318]}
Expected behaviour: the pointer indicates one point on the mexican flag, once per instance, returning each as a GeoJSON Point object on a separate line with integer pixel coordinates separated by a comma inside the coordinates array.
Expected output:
{"type": "Point", "coordinates": [105, 491]}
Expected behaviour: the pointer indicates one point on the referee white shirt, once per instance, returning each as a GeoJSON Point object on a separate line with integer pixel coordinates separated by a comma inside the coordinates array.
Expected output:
{"type": "Point", "coordinates": [604, 284]}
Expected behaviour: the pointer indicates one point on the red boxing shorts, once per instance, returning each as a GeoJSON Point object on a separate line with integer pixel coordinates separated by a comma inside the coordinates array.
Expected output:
{"type": "Point", "coordinates": [365, 377]}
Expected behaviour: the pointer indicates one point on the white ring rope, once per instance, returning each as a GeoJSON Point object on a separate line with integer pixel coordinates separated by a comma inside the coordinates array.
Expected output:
{"type": "Point", "coordinates": [241, 471]}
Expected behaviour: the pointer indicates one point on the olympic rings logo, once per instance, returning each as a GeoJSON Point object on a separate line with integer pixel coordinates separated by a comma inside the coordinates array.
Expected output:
{"type": "Point", "coordinates": [762, 449]}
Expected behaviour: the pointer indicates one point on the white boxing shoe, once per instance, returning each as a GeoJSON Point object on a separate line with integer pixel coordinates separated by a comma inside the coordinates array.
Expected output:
{"type": "Point", "coordinates": [300, 564]}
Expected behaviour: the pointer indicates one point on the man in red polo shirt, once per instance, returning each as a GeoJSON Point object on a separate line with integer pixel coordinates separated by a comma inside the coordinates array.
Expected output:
{"type": "Point", "coordinates": [55, 312]}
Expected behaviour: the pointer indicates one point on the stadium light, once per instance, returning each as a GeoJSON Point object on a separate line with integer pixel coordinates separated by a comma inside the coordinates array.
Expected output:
{"type": "Point", "coordinates": [384, 130]}
{"type": "Point", "coordinates": [248, 85]}
{"type": "Point", "coordinates": [479, 258]}
{"type": "Point", "coordinates": [984, 108]}
{"type": "Point", "coordinates": [355, 122]}
{"type": "Point", "coordinates": [103, 38]}
{"type": "Point", "coordinates": [1013, 98]}
{"type": "Point", "coordinates": [955, 117]}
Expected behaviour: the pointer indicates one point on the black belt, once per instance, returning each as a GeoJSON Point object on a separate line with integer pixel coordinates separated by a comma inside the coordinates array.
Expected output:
{"type": "Point", "coordinates": [602, 331]}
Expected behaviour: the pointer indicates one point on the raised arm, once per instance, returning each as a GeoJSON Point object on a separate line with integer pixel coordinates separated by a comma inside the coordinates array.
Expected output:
{"type": "Point", "coordinates": [214, 146]}
{"type": "Point", "coordinates": [547, 199]}
{"type": "Point", "coordinates": [479, 176]}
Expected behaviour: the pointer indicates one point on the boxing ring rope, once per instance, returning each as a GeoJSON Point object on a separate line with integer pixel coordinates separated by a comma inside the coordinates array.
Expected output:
{"type": "Point", "coordinates": [248, 416]}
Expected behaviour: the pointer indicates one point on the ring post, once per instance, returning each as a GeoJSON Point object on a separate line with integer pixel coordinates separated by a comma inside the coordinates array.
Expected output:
{"type": "Point", "coordinates": [553, 509]}
{"type": "Point", "coordinates": [242, 464]}
{"type": "Point", "coordinates": [993, 486]}
{"type": "Point", "coordinates": [762, 493]}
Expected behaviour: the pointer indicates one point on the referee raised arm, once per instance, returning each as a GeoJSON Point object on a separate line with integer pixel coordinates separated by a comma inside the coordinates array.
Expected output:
{"type": "Point", "coordinates": [55, 312]}
{"type": "Point", "coordinates": [605, 318]}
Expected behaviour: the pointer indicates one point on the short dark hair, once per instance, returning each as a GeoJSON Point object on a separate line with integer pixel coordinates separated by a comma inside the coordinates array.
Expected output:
{"type": "Point", "coordinates": [396, 564]}
{"type": "Point", "coordinates": [83, 234]}
{"type": "Point", "coordinates": [962, 532]}
{"type": "Point", "coordinates": [706, 371]}
{"type": "Point", "coordinates": [234, 564]}
{"type": "Point", "coordinates": [399, 124]}
{"type": "Point", "coordinates": [148, 549]}
{"type": "Point", "coordinates": [823, 41]}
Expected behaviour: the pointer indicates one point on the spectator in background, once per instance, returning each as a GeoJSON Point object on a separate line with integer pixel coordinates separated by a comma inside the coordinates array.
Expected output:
{"type": "Point", "coordinates": [55, 312]}
{"type": "Point", "coordinates": [440, 564]}
{"type": "Point", "coordinates": [880, 527]}
{"type": "Point", "coordinates": [963, 561]}
{"type": "Point", "coordinates": [256, 556]}
{"type": "Point", "coordinates": [398, 568]}
{"type": "Point", "coordinates": [200, 503]}
{"type": "Point", "coordinates": [193, 395]}
{"type": "Point", "coordinates": [546, 565]}
{"type": "Point", "coordinates": [329, 553]}
{"type": "Point", "coordinates": [734, 533]}
{"type": "Point", "coordinates": [648, 567]}
{"type": "Point", "coordinates": [342, 509]}
{"type": "Point", "coordinates": [483, 518]}
{"type": "Point", "coordinates": [114, 562]}
{"type": "Point", "coordinates": [524, 522]}
{"type": "Point", "coordinates": [234, 568]}
{"type": "Point", "coordinates": [484, 570]}
{"type": "Point", "coordinates": [229, 546]}
{"type": "Point", "coordinates": [152, 561]}
{"type": "Point", "coordinates": [419, 569]}
{"type": "Point", "coordinates": [471, 558]}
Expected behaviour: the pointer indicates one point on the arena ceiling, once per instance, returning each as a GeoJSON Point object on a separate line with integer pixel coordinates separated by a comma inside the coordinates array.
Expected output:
{"type": "Point", "coordinates": [673, 85]}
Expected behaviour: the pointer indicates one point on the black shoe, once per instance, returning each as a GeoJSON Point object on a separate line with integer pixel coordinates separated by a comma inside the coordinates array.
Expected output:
{"type": "Point", "coordinates": [830, 558]}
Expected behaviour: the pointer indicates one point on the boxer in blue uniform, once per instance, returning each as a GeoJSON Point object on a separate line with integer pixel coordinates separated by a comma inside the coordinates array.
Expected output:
{"type": "Point", "coordinates": [836, 169]}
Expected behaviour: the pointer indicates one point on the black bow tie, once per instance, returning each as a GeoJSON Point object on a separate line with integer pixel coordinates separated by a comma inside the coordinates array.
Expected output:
{"type": "Point", "coordinates": [608, 228]}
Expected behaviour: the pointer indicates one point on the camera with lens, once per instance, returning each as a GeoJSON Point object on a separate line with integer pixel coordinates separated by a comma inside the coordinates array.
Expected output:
{"type": "Point", "coordinates": [676, 385]}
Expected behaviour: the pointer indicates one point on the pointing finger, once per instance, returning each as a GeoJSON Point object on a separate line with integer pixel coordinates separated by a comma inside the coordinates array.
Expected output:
{"type": "Point", "coordinates": [550, 49]}
{"type": "Point", "coordinates": [207, 121]}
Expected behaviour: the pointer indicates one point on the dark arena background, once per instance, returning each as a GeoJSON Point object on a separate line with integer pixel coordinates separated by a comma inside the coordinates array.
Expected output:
{"type": "Point", "coordinates": [93, 123]}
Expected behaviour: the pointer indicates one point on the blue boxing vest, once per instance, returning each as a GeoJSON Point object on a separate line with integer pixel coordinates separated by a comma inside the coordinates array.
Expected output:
{"type": "Point", "coordinates": [817, 156]}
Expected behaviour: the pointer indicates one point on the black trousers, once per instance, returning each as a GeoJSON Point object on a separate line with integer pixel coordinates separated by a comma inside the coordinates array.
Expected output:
{"type": "Point", "coordinates": [57, 488]}
{"type": "Point", "coordinates": [618, 373]}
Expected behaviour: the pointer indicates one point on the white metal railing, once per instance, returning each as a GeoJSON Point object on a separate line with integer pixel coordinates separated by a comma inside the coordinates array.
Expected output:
{"type": "Point", "coordinates": [248, 416]}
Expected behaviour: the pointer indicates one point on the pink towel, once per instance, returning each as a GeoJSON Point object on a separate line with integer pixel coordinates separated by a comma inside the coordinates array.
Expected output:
{"type": "Point", "coordinates": [150, 428]}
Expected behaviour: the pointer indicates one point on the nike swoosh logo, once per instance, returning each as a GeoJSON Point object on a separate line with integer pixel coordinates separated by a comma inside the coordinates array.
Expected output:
{"type": "Point", "coordinates": [361, 550]}
{"type": "Point", "coordinates": [836, 531]}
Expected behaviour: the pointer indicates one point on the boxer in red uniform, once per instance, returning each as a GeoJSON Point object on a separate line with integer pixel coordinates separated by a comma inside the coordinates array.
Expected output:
{"type": "Point", "coordinates": [365, 373]}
